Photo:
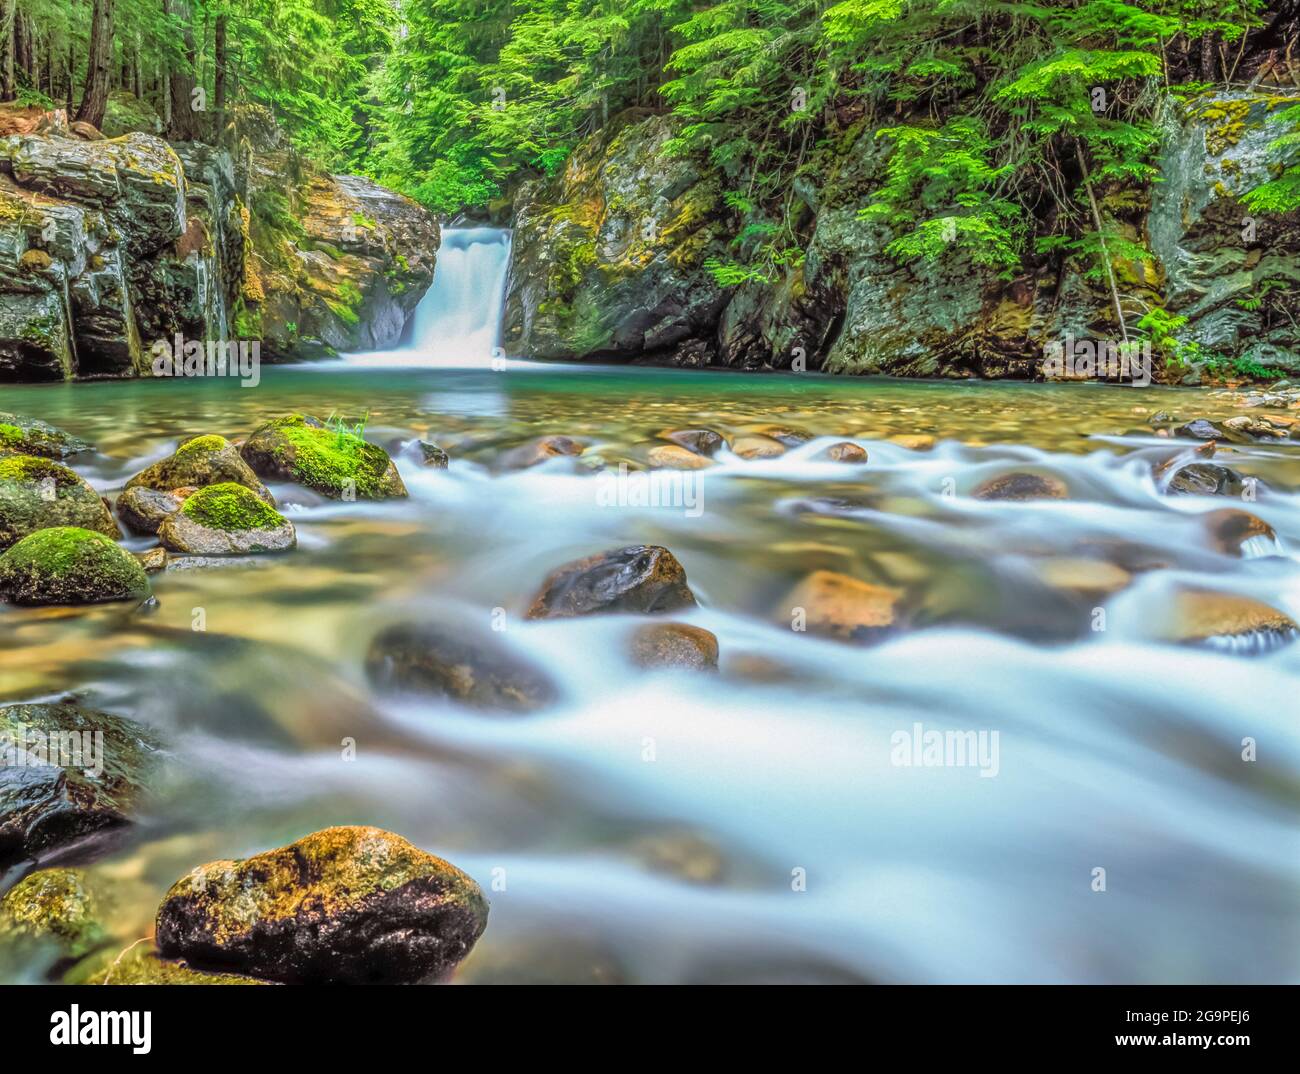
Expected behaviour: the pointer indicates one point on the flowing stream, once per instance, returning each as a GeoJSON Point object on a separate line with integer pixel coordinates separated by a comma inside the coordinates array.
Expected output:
{"type": "Point", "coordinates": [749, 825]}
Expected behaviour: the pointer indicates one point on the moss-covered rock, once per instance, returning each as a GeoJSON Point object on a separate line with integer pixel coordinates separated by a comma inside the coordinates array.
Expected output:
{"type": "Point", "coordinates": [20, 435]}
{"type": "Point", "coordinates": [333, 462]}
{"type": "Point", "coordinates": [103, 765]}
{"type": "Point", "coordinates": [639, 578]}
{"type": "Point", "coordinates": [200, 461]}
{"type": "Point", "coordinates": [37, 493]}
{"type": "Point", "coordinates": [58, 905]}
{"type": "Point", "coordinates": [344, 905]}
{"type": "Point", "coordinates": [223, 520]}
{"type": "Point", "coordinates": [69, 565]}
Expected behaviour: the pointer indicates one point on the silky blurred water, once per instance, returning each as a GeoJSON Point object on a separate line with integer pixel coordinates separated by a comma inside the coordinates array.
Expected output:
{"type": "Point", "coordinates": [748, 825]}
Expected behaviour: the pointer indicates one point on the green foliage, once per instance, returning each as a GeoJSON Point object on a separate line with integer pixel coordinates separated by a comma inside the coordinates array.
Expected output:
{"type": "Point", "coordinates": [1281, 194]}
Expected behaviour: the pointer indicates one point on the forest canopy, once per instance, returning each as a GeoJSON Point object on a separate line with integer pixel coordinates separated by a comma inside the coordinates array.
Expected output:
{"type": "Point", "coordinates": [1004, 118]}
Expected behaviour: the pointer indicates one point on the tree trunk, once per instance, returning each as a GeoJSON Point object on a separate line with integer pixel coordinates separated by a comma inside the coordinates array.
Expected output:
{"type": "Point", "coordinates": [8, 27]}
{"type": "Point", "coordinates": [219, 77]}
{"type": "Point", "coordinates": [183, 125]}
{"type": "Point", "coordinates": [94, 98]}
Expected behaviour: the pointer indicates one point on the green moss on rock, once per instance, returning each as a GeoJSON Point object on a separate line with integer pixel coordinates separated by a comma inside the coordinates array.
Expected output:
{"type": "Point", "coordinates": [37, 493]}
{"type": "Point", "coordinates": [230, 507]}
{"type": "Point", "coordinates": [201, 461]}
{"type": "Point", "coordinates": [336, 463]}
{"type": "Point", "coordinates": [55, 904]}
{"type": "Point", "coordinates": [30, 436]}
{"type": "Point", "coordinates": [70, 565]}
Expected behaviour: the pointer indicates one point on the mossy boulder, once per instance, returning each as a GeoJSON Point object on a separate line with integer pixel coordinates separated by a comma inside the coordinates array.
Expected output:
{"type": "Point", "coordinates": [59, 906]}
{"type": "Point", "coordinates": [70, 565]}
{"type": "Point", "coordinates": [200, 461]}
{"type": "Point", "coordinates": [333, 462]}
{"type": "Point", "coordinates": [45, 806]}
{"type": "Point", "coordinates": [225, 520]}
{"type": "Point", "coordinates": [30, 436]}
{"type": "Point", "coordinates": [454, 663]}
{"type": "Point", "coordinates": [346, 905]}
{"type": "Point", "coordinates": [37, 493]}
{"type": "Point", "coordinates": [639, 578]}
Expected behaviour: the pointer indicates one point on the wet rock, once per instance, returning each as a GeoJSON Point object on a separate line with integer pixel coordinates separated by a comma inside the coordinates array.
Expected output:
{"type": "Point", "coordinates": [142, 509]}
{"type": "Point", "coordinates": [700, 441]}
{"type": "Point", "coordinates": [333, 462]}
{"type": "Point", "coordinates": [203, 460]}
{"type": "Point", "coordinates": [753, 446]}
{"type": "Point", "coordinates": [1021, 486]}
{"type": "Point", "coordinates": [782, 434]}
{"type": "Point", "coordinates": [67, 565]}
{"type": "Point", "coordinates": [682, 854]}
{"type": "Point", "coordinates": [37, 493]}
{"type": "Point", "coordinates": [839, 606]}
{"type": "Point", "coordinates": [1226, 620]}
{"type": "Point", "coordinates": [431, 455]}
{"type": "Point", "coordinates": [676, 457]}
{"type": "Point", "coordinates": [45, 806]}
{"type": "Point", "coordinates": [1086, 577]}
{"type": "Point", "coordinates": [1255, 428]}
{"type": "Point", "coordinates": [1207, 479]}
{"type": "Point", "coordinates": [341, 906]}
{"type": "Point", "coordinates": [639, 578]}
{"type": "Point", "coordinates": [1229, 530]}
{"type": "Point", "coordinates": [30, 436]}
{"type": "Point", "coordinates": [452, 663]}
{"type": "Point", "coordinates": [1203, 429]}
{"type": "Point", "coordinates": [846, 451]}
{"type": "Point", "coordinates": [61, 906]}
{"type": "Point", "coordinates": [539, 451]}
{"type": "Point", "coordinates": [675, 645]}
{"type": "Point", "coordinates": [152, 560]}
{"type": "Point", "coordinates": [226, 520]}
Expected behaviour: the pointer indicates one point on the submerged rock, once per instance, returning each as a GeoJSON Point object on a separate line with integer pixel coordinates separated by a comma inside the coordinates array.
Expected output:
{"type": "Point", "coordinates": [639, 578]}
{"type": "Point", "coordinates": [839, 606]}
{"type": "Point", "coordinates": [141, 965]}
{"type": "Point", "coordinates": [90, 788]}
{"type": "Point", "coordinates": [341, 906]}
{"type": "Point", "coordinates": [30, 436]}
{"type": "Point", "coordinates": [675, 645]}
{"type": "Point", "coordinates": [68, 565]}
{"type": "Point", "coordinates": [428, 658]}
{"type": "Point", "coordinates": [203, 460]}
{"type": "Point", "coordinates": [1021, 486]}
{"type": "Point", "coordinates": [152, 560]}
{"type": "Point", "coordinates": [755, 446]}
{"type": "Point", "coordinates": [142, 510]}
{"type": "Point", "coordinates": [62, 906]}
{"type": "Point", "coordinates": [37, 493]}
{"type": "Point", "coordinates": [334, 462]}
{"type": "Point", "coordinates": [226, 520]}
{"type": "Point", "coordinates": [538, 451]}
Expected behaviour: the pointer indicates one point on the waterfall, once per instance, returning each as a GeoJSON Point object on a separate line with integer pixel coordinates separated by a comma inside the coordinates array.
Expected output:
{"type": "Point", "coordinates": [458, 322]}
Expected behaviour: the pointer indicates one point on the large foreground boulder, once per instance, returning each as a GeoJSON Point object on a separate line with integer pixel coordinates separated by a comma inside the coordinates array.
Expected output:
{"type": "Point", "coordinates": [333, 462]}
{"type": "Point", "coordinates": [20, 435]}
{"type": "Point", "coordinates": [68, 565]}
{"type": "Point", "coordinates": [68, 771]}
{"type": "Point", "coordinates": [341, 906]}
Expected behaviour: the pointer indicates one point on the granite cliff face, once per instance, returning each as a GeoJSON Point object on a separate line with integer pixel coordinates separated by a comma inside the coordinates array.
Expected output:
{"type": "Point", "coordinates": [610, 262]}
{"type": "Point", "coordinates": [108, 246]}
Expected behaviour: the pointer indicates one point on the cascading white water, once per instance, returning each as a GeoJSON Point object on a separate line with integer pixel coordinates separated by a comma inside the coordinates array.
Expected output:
{"type": "Point", "coordinates": [458, 322]}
